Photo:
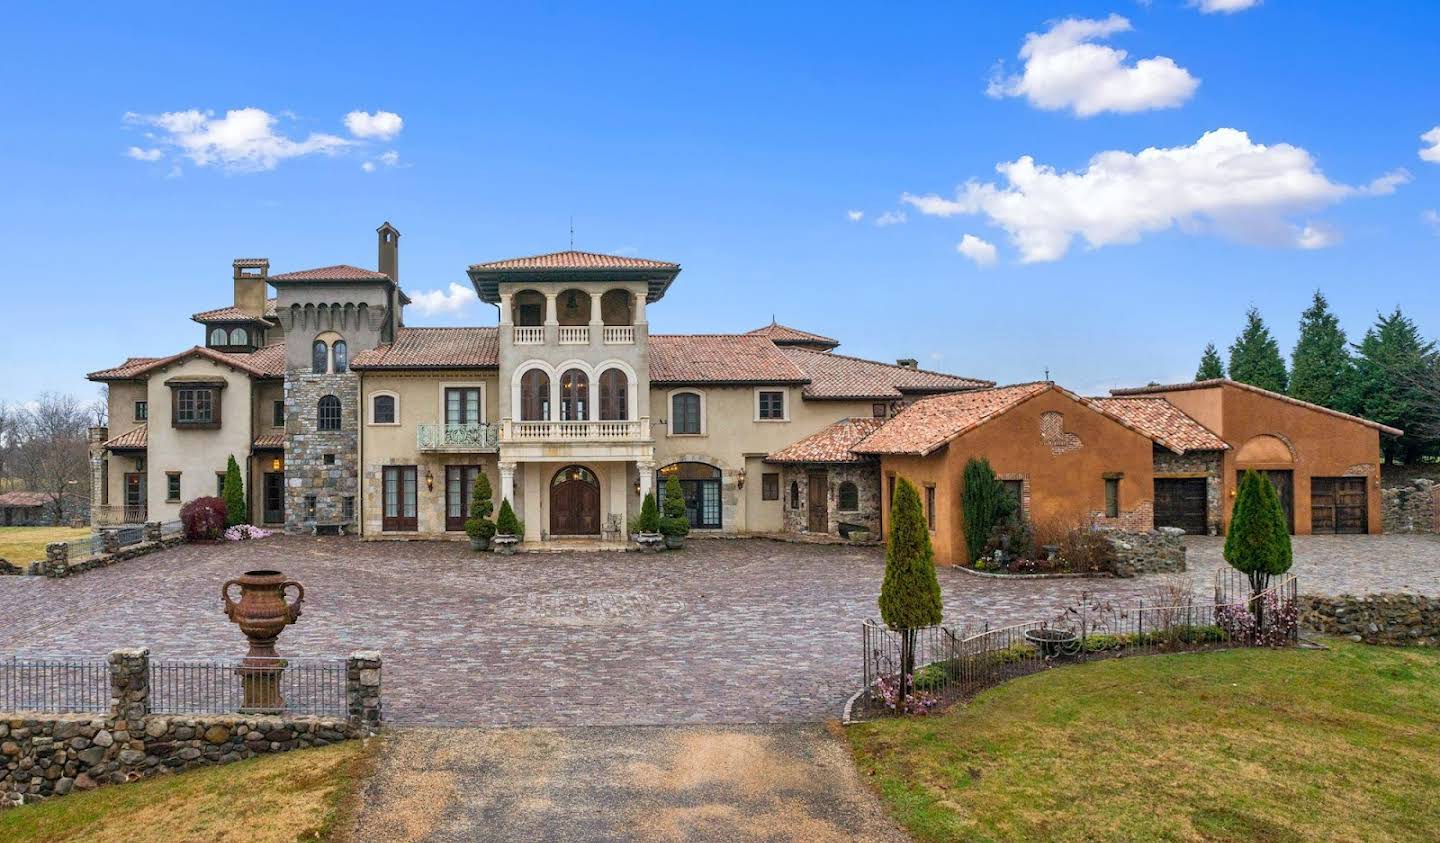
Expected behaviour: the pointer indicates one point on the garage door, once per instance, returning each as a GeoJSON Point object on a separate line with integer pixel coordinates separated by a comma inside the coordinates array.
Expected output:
{"type": "Point", "coordinates": [1181, 502]}
{"type": "Point", "coordinates": [1338, 505]}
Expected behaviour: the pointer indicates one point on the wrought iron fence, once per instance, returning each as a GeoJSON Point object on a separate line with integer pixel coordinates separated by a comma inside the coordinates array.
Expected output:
{"type": "Point", "coordinates": [933, 666]}
{"type": "Point", "coordinates": [55, 685]}
{"type": "Point", "coordinates": [82, 549]}
{"type": "Point", "coordinates": [249, 686]}
{"type": "Point", "coordinates": [171, 528]}
{"type": "Point", "coordinates": [127, 536]}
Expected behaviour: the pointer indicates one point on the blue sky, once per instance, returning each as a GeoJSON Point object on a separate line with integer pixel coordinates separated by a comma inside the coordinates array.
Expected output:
{"type": "Point", "coordinates": [736, 140]}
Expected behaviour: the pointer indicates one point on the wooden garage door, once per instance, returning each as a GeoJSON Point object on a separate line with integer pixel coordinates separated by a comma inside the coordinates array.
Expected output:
{"type": "Point", "coordinates": [1338, 505]}
{"type": "Point", "coordinates": [1180, 502]}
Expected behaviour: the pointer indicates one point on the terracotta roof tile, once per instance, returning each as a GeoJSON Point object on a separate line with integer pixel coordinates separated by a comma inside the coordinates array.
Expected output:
{"type": "Point", "coordinates": [931, 422]}
{"type": "Point", "coordinates": [838, 376]}
{"type": "Point", "coordinates": [831, 444]}
{"type": "Point", "coordinates": [786, 335]}
{"type": "Point", "coordinates": [339, 272]}
{"type": "Point", "coordinates": [234, 314]}
{"type": "Point", "coordinates": [435, 348]}
{"type": "Point", "coordinates": [266, 362]}
{"type": "Point", "coordinates": [25, 499]}
{"type": "Point", "coordinates": [131, 440]}
{"type": "Point", "coordinates": [1219, 382]}
{"type": "Point", "coordinates": [572, 259]}
{"type": "Point", "coordinates": [269, 441]}
{"type": "Point", "coordinates": [719, 358]}
{"type": "Point", "coordinates": [1163, 422]}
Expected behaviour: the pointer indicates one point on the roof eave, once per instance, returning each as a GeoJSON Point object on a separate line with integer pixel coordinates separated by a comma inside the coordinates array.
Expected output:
{"type": "Point", "coordinates": [487, 281]}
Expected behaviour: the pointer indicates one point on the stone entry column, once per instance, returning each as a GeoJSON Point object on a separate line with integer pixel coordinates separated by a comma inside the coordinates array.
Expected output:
{"type": "Point", "coordinates": [507, 484]}
{"type": "Point", "coordinates": [647, 478]}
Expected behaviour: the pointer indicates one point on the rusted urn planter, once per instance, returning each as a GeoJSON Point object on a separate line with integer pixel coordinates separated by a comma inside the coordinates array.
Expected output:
{"type": "Point", "coordinates": [262, 613]}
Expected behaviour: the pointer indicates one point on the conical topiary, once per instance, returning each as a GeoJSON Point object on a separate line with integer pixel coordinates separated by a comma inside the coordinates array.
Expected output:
{"type": "Point", "coordinates": [674, 524]}
{"type": "Point", "coordinates": [479, 525]}
{"type": "Point", "coordinates": [233, 492]}
{"type": "Point", "coordinates": [649, 515]}
{"type": "Point", "coordinates": [506, 524]}
{"type": "Point", "coordinates": [910, 593]}
{"type": "Point", "coordinates": [1258, 542]}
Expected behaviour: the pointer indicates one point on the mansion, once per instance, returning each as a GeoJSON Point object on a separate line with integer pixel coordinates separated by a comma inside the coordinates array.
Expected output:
{"type": "Point", "coordinates": [343, 417]}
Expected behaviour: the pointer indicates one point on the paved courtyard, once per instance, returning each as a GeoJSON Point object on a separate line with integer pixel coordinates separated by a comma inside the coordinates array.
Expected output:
{"type": "Point", "coordinates": [728, 631]}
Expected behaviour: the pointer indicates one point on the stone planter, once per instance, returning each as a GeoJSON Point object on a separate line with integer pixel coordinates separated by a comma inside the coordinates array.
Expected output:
{"type": "Point", "coordinates": [505, 544]}
{"type": "Point", "coordinates": [479, 543]}
{"type": "Point", "coordinates": [649, 542]}
{"type": "Point", "coordinates": [674, 542]}
{"type": "Point", "coordinates": [1054, 642]}
{"type": "Point", "coordinates": [859, 535]}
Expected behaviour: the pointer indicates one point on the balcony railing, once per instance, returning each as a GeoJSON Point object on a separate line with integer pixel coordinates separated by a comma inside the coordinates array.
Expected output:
{"type": "Point", "coordinates": [529, 334]}
{"type": "Point", "coordinates": [115, 514]}
{"type": "Point", "coordinates": [456, 437]}
{"type": "Point", "coordinates": [619, 334]}
{"type": "Point", "coordinates": [575, 431]}
{"type": "Point", "coordinates": [574, 334]}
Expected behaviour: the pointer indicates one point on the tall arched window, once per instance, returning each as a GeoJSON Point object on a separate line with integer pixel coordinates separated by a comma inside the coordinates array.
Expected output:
{"type": "Point", "coordinates": [319, 357]}
{"type": "Point", "coordinates": [574, 395]}
{"type": "Point", "coordinates": [217, 336]}
{"type": "Point", "coordinates": [535, 396]}
{"type": "Point", "coordinates": [794, 494]}
{"type": "Point", "coordinates": [849, 497]}
{"type": "Point", "coordinates": [327, 415]}
{"type": "Point", "coordinates": [614, 397]}
{"type": "Point", "coordinates": [342, 357]}
{"type": "Point", "coordinates": [239, 336]}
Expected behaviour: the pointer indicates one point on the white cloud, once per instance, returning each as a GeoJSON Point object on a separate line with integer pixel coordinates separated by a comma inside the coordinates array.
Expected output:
{"type": "Point", "coordinates": [1064, 68]}
{"type": "Point", "coordinates": [982, 252]}
{"type": "Point", "coordinates": [139, 154]}
{"type": "Point", "coordinates": [390, 158]}
{"type": "Point", "coordinates": [1317, 236]}
{"type": "Point", "coordinates": [382, 125]}
{"type": "Point", "coordinates": [452, 300]}
{"type": "Point", "coordinates": [368, 166]}
{"type": "Point", "coordinates": [1223, 183]}
{"type": "Point", "coordinates": [855, 216]}
{"type": "Point", "coordinates": [1432, 152]}
{"type": "Point", "coordinates": [1227, 7]}
{"type": "Point", "coordinates": [1431, 217]}
{"type": "Point", "coordinates": [243, 140]}
{"type": "Point", "coordinates": [891, 218]}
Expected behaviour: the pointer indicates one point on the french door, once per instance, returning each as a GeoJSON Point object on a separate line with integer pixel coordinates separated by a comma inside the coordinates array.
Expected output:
{"type": "Point", "coordinates": [273, 511]}
{"type": "Point", "coordinates": [398, 511]}
{"type": "Point", "coordinates": [462, 406]}
{"type": "Point", "coordinates": [134, 497]}
{"type": "Point", "coordinates": [459, 483]}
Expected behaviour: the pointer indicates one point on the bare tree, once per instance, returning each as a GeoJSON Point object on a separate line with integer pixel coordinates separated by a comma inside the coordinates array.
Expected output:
{"type": "Point", "coordinates": [100, 410]}
{"type": "Point", "coordinates": [8, 421]}
{"type": "Point", "coordinates": [53, 454]}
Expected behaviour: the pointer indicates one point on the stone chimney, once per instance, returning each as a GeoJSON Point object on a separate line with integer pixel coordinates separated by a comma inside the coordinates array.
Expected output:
{"type": "Point", "coordinates": [389, 261]}
{"type": "Point", "coordinates": [250, 275]}
{"type": "Point", "coordinates": [908, 363]}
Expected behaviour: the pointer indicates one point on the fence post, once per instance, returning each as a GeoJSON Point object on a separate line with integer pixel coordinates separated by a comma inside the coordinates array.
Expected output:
{"type": "Point", "coordinates": [362, 689]}
{"type": "Point", "coordinates": [57, 559]}
{"type": "Point", "coordinates": [130, 687]}
{"type": "Point", "coordinates": [152, 531]}
{"type": "Point", "coordinates": [110, 541]}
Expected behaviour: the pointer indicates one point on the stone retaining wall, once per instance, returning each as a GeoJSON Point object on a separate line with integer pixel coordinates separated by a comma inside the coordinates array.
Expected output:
{"type": "Point", "coordinates": [1159, 551]}
{"type": "Point", "coordinates": [1412, 508]}
{"type": "Point", "coordinates": [1400, 619]}
{"type": "Point", "coordinates": [57, 562]}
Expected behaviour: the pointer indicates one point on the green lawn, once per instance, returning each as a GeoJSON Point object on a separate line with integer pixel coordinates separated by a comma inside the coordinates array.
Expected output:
{"type": "Point", "coordinates": [282, 798]}
{"type": "Point", "coordinates": [1243, 745]}
{"type": "Point", "coordinates": [22, 545]}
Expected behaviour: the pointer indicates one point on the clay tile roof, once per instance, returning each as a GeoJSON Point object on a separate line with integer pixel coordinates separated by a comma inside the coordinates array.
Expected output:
{"type": "Point", "coordinates": [250, 263]}
{"type": "Point", "coordinates": [339, 272]}
{"type": "Point", "coordinates": [832, 444]}
{"type": "Point", "coordinates": [269, 441]}
{"type": "Point", "coordinates": [124, 371]}
{"type": "Point", "coordinates": [1162, 422]}
{"type": "Point", "coordinates": [1219, 382]}
{"type": "Point", "coordinates": [435, 348]}
{"type": "Point", "coordinates": [24, 499]}
{"type": "Point", "coordinates": [234, 314]}
{"type": "Point", "coordinates": [838, 376]}
{"type": "Point", "coordinates": [719, 358]}
{"type": "Point", "coordinates": [266, 362]}
{"type": "Point", "coordinates": [572, 259]}
{"type": "Point", "coordinates": [132, 440]}
{"type": "Point", "coordinates": [786, 335]}
{"type": "Point", "coordinates": [931, 422]}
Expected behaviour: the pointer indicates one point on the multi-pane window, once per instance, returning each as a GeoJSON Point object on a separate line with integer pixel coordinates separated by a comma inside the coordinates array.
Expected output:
{"type": "Point", "coordinates": [277, 414]}
{"type": "Point", "coordinates": [194, 405]}
{"type": "Point", "coordinates": [1112, 497]}
{"type": "Point", "coordinates": [794, 494]}
{"type": "Point", "coordinates": [398, 492]}
{"type": "Point", "coordinates": [459, 486]}
{"type": "Point", "coordinates": [383, 409]}
{"type": "Point", "coordinates": [770, 487]}
{"type": "Point", "coordinates": [342, 357]}
{"type": "Point", "coordinates": [328, 413]}
{"type": "Point", "coordinates": [574, 396]}
{"type": "Point", "coordinates": [700, 486]}
{"type": "Point", "coordinates": [142, 410]}
{"type": "Point", "coordinates": [879, 411]}
{"type": "Point", "coordinates": [347, 507]}
{"type": "Point", "coordinates": [849, 495]}
{"type": "Point", "coordinates": [172, 486]}
{"type": "Point", "coordinates": [930, 507]}
{"type": "Point", "coordinates": [239, 336]}
{"type": "Point", "coordinates": [614, 403]}
{"type": "Point", "coordinates": [772, 405]}
{"type": "Point", "coordinates": [218, 336]}
{"type": "Point", "coordinates": [535, 396]}
{"type": "Point", "coordinates": [462, 406]}
{"type": "Point", "coordinates": [685, 413]}
{"type": "Point", "coordinates": [319, 357]}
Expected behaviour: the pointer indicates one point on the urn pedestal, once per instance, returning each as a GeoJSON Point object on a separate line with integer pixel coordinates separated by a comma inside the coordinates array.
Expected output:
{"type": "Point", "coordinates": [262, 614]}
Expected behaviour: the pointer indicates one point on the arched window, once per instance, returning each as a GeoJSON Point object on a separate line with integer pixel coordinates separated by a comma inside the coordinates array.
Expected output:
{"type": "Point", "coordinates": [239, 336]}
{"type": "Point", "coordinates": [849, 497]}
{"type": "Point", "coordinates": [535, 396]}
{"type": "Point", "coordinates": [217, 336]}
{"type": "Point", "coordinates": [319, 357]}
{"type": "Point", "coordinates": [614, 403]}
{"type": "Point", "coordinates": [700, 485]}
{"type": "Point", "coordinates": [615, 308]}
{"type": "Point", "coordinates": [382, 409]}
{"type": "Point", "coordinates": [573, 307]}
{"type": "Point", "coordinates": [685, 413]}
{"type": "Point", "coordinates": [794, 494]}
{"type": "Point", "coordinates": [574, 395]}
{"type": "Point", "coordinates": [327, 415]}
{"type": "Point", "coordinates": [342, 357]}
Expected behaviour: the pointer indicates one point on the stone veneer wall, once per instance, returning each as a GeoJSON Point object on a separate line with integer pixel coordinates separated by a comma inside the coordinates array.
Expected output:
{"type": "Point", "coordinates": [1404, 619]}
{"type": "Point", "coordinates": [306, 473]}
{"type": "Point", "coordinates": [865, 476]}
{"type": "Point", "coordinates": [57, 562]}
{"type": "Point", "coordinates": [52, 755]}
{"type": "Point", "coordinates": [1159, 551]}
{"type": "Point", "coordinates": [1170, 464]}
{"type": "Point", "coordinates": [1412, 508]}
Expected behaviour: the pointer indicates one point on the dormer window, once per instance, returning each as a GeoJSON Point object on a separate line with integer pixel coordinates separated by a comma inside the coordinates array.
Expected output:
{"type": "Point", "coordinates": [218, 337]}
{"type": "Point", "coordinates": [239, 336]}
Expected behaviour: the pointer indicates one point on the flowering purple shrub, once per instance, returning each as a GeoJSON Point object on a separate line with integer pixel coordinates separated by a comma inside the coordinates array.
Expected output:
{"type": "Point", "coordinates": [1281, 621]}
{"type": "Point", "coordinates": [204, 519]}
{"type": "Point", "coordinates": [919, 702]}
{"type": "Point", "coordinates": [245, 532]}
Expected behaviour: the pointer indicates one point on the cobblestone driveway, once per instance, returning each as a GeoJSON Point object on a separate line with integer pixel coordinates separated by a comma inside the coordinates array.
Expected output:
{"type": "Point", "coordinates": [729, 631]}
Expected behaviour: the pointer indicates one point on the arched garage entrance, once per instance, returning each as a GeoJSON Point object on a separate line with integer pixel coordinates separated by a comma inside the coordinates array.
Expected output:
{"type": "Point", "coordinates": [574, 502]}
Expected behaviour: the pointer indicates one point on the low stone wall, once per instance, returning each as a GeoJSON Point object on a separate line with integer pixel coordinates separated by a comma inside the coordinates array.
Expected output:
{"type": "Point", "coordinates": [1398, 619]}
{"type": "Point", "coordinates": [57, 562]}
{"type": "Point", "coordinates": [45, 755]}
{"type": "Point", "coordinates": [1412, 508]}
{"type": "Point", "coordinates": [1159, 551]}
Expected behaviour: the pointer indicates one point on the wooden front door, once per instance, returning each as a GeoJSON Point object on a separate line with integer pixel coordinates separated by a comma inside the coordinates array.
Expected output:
{"type": "Point", "coordinates": [134, 497]}
{"type": "Point", "coordinates": [273, 491]}
{"type": "Point", "coordinates": [575, 503]}
{"type": "Point", "coordinates": [819, 500]}
{"type": "Point", "coordinates": [1338, 505]}
{"type": "Point", "coordinates": [1181, 502]}
{"type": "Point", "coordinates": [1284, 482]}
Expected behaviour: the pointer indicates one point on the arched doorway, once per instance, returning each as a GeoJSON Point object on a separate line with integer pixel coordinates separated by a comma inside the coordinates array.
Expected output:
{"type": "Point", "coordinates": [701, 487]}
{"type": "Point", "coordinates": [574, 502]}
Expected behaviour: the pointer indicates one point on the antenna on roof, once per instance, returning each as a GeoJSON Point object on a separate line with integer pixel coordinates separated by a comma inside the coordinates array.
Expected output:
{"type": "Point", "coordinates": [572, 231]}
{"type": "Point", "coordinates": [1047, 374]}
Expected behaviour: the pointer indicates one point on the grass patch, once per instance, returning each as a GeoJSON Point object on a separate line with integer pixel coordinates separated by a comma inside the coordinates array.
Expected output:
{"type": "Point", "coordinates": [289, 796]}
{"type": "Point", "coordinates": [1240, 745]}
{"type": "Point", "coordinates": [22, 545]}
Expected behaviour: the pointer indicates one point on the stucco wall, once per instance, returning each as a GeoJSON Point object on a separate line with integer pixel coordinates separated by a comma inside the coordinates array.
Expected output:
{"type": "Point", "coordinates": [197, 454]}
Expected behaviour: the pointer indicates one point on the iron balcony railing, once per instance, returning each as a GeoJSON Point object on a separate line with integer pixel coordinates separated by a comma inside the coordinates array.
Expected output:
{"type": "Point", "coordinates": [575, 431]}
{"type": "Point", "coordinates": [113, 515]}
{"type": "Point", "coordinates": [457, 437]}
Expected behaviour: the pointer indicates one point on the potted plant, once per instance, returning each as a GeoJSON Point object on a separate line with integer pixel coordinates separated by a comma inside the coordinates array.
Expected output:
{"type": "Point", "coordinates": [478, 526]}
{"type": "Point", "coordinates": [508, 529]}
{"type": "Point", "coordinates": [647, 526]}
{"type": "Point", "coordinates": [674, 526]}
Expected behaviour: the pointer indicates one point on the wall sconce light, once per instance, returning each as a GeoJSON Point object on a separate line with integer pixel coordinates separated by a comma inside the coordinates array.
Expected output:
{"type": "Point", "coordinates": [637, 487]}
{"type": "Point", "coordinates": [429, 480]}
{"type": "Point", "coordinates": [275, 465]}
{"type": "Point", "coordinates": [740, 479]}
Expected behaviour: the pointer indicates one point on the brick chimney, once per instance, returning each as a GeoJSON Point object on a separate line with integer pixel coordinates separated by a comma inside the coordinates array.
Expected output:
{"type": "Point", "coordinates": [908, 363]}
{"type": "Point", "coordinates": [389, 261]}
{"type": "Point", "coordinates": [250, 275]}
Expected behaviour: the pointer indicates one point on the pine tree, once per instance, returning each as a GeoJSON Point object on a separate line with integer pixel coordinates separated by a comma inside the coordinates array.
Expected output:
{"type": "Point", "coordinates": [649, 521]}
{"type": "Point", "coordinates": [233, 491]}
{"type": "Point", "coordinates": [1255, 356]}
{"type": "Point", "coordinates": [1258, 542]}
{"type": "Point", "coordinates": [1321, 369]}
{"type": "Point", "coordinates": [1211, 367]}
{"type": "Point", "coordinates": [984, 503]}
{"type": "Point", "coordinates": [1393, 361]}
{"type": "Point", "coordinates": [910, 592]}
{"type": "Point", "coordinates": [506, 524]}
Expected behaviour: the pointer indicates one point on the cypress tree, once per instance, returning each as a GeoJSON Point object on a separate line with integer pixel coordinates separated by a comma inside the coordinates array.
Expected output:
{"type": "Point", "coordinates": [649, 515]}
{"type": "Point", "coordinates": [983, 503]}
{"type": "Point", "coordinates": [1393, 361]}
{"type": "Point", "coordinates": [1321, 369]}
{"type": "Point", "coordinates": [1258, 542]}
{"type": "Point", "coordinates": [233, 491]}
{"type": "Point", "coordinates": [1255, 356]}
{"type": "Point", "coordinates": [674, 523]}
{"type": "Point", "coordinates": [1211, 366]}
{"type": "Point", "coordinates": [506, 524]}
{"type": "Point", "coordinates": [910, 592]}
